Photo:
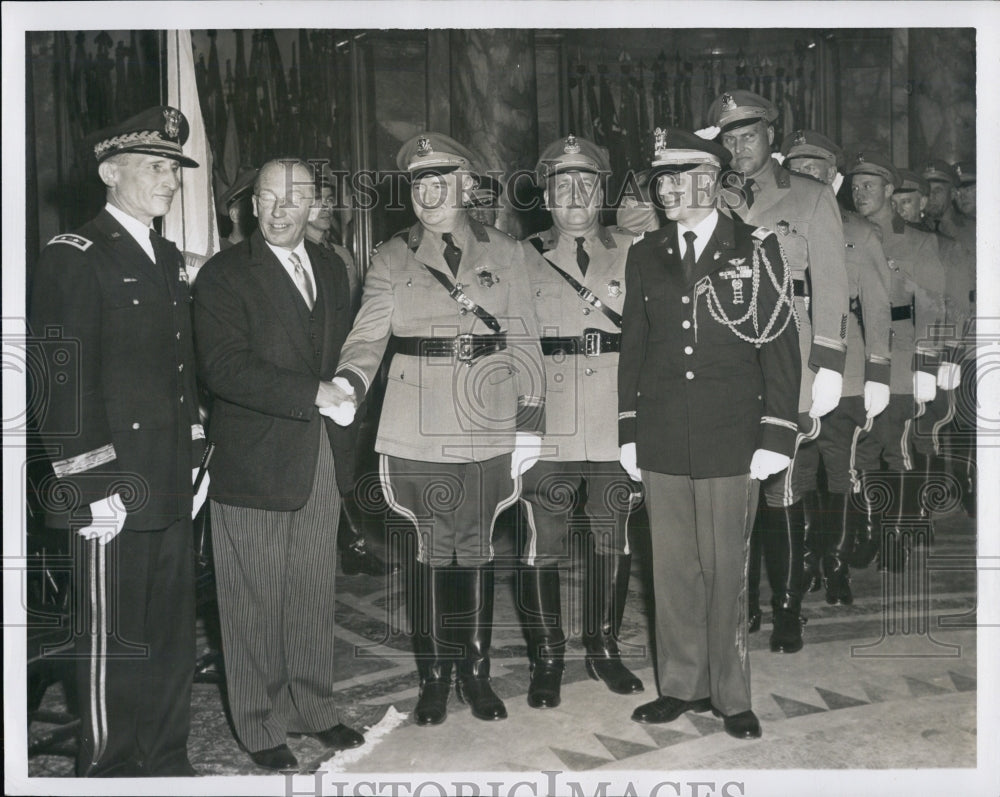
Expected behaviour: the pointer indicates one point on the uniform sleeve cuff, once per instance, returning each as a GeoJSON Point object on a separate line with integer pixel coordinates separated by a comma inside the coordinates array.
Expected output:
{"type": "Point", "coordinates": [877, 372]}
{"type": "Point", "coordinates": [531, 414]}
{"type": "Point", "coordinates": [626, 428]}
{"type": "Point", "coordinates": [357, 381]}
{"type": "Point", "coordinates": [778, 435]}
{"type": "Point", "coordinates": [926, 361]}
{"type": "Point", "coordinates": [829, 357]}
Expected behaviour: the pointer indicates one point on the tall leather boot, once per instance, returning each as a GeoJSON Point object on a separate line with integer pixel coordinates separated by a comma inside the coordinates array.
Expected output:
{"type": "Point", "coordinates": [355, 555]}
{"type": "Point", "coordinates": [928, 465]}
{"type": "Point", "coordinates": [753, 579]}
{"type": "Point", "coordinates": [866, 520]}
{"type": "Point", "coordinates": [815, 542]}
{"type": "Point", "coordinates": [892, 553]}
{"type": "Point", "coordinates": [546, 640]}
{"type": "Point", "coordinates": [783, 535]}
{"type": "Point", "coordinates": [473, 630]}
{"type": "Point", "coordinates": [605, 593]}
{"type": "Point", "coordinates": [429, 602]}
{"type": "Point", "coordinates": [836, 572]}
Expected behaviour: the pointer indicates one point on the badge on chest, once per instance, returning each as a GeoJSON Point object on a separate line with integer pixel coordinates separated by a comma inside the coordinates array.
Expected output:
{"type": "Point", "coordinates": [737, 272]}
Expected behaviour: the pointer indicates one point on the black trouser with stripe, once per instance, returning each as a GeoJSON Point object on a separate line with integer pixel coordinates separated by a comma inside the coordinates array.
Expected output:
{"type": "Point", "coordinates": [146, 680]}
{"type": "Point", "coordinates": [275, 578]}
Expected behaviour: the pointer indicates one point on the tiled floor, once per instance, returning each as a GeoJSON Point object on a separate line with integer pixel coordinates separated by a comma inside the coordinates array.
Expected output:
{"type": "Point", "coordinates": [888, 683]}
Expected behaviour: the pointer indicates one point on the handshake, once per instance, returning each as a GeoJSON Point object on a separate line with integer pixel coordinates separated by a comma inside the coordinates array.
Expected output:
{"type": "Point", "coordinates": [336, 400]}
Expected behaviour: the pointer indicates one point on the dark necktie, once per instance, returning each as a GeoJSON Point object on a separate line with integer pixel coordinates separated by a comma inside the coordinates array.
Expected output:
{"type": "Point", "coordinates": [748, 191]}
{"type": "Point", "coordinates": [582, 258]}
{"type": "Point", "coordinates": [452, 254]}
{"type": "Point", "coordinates": [688, 260]}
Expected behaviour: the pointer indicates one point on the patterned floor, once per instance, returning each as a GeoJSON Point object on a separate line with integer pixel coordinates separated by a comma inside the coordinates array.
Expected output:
{"type": "Point", "coordinates": [887, 683]}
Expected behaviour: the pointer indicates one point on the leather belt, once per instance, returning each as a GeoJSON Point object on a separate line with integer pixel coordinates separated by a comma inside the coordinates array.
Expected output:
{"type": "Point", "coordinates": [799, 287]}
{"type": "Point", "coordinates": [901, 312]}
{"type": "Point", "coordinates": [591, 343]}
{"type": "Point", "coordinates": [466, 348]}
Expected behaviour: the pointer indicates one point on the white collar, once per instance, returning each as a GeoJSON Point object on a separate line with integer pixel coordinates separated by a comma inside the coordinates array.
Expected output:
{"type": "Point", "coordinates": [703, 229]}
{"type": "Point", "coordinates": [133, 227]}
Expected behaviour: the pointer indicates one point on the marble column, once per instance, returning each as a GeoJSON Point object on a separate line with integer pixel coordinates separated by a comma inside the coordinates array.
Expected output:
{"type": "Point", "coordinates": [942, 67]}
{"type": "Point", "coordinates": [493, 103]}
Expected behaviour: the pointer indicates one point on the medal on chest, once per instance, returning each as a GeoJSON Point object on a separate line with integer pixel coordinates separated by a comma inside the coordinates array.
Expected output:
{"type": "Point", "coordinates": [737, 272]}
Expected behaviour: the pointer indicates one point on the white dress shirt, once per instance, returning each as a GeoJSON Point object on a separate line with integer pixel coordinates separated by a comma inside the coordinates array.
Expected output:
{"type": "Point", "coordinates": [135, 228]}
{"type": "Point", "coordinates": [702, 229]}
{"type": "Point", "coordinates": [300, 250]}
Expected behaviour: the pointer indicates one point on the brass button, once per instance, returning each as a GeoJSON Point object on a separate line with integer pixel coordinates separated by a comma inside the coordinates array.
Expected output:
{"type": "Point", "coordinates": [589, 372]}
{"type": "Point", "coordinates": [586, 311]}
{"type": "Point", "coordinates": [686, 324]}
{"type": "Point", "coordinates": [182, 399]}
{"type": "Point", "coordinates": [688, 350]}
{"type": "Point", "coordinates": [689, 375]}
{"type": "Point", "coordinates": [135, 301]}
{"type": "Point", "coordinates": [135, 425]}
{"type": "Point", "coordinates": [685, 299]}
{"type": "Point", "coordinates": [180, 367]}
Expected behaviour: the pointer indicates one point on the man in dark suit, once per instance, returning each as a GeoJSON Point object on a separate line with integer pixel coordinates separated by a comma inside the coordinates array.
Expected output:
{"type": "Point", "coordinates": [270, 316]}
{"type": "Point", "coordinates": [708, 381]}
{"type": "Point", "coordinates": [110, 307]}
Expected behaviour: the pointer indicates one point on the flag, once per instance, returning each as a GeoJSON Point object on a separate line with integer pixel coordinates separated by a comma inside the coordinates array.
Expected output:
{"type": "Point", "coordinates": [190, 223]}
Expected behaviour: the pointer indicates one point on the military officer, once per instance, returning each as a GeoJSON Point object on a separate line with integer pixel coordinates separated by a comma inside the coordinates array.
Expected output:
{"type": "Point", "coordinates": [916, 293]}
{"type": "Point", "coordinates": [807, 221]}
{"type": "Point", "coordinates": [484, 200]}
{"type": "Point", "coordinates": [122, 428]}
{"type": "Point", "coordinates": [577, 274]}
{"type": "Point", "coordinates": [846, 517]}
{"type": "Point", "coordinates": [708, 383]}
{"type": "Point", "coordinates": [463, 409]}
{"type": "Point", "coordinates": [235, 204]}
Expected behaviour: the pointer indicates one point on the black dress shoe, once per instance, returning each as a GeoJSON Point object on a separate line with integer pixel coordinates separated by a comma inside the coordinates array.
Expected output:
{"type": "Point", "coordinates": [432, 705]}
{"type": "Point", "coordinates": [667, 709]}
{"type": "Point", "coordinates": [744, 725]}
{"type": "Point", "coordinates": [753, 624]}
{"type": "Point", "coordinates": [546, 681]}
{"type": "Point", "coordinates": [480, 697]}
{"type": "Point", "coordinates": [277, 758]}
{"type": "Point", "coordinates": [616, 676]}
{"type": "Point", "coordinates": [339, 737]}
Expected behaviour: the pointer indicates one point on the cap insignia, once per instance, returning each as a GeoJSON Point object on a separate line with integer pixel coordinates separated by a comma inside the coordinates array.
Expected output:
{"type": "Point", "coordinates": [958, 169]}
{"type": "Point", "coordinates": [861, 157]}
{"type": "Point", "coordinates": [171, 122]}
{"type": "Point", "coordinates": [800, 138]}
{"type": "Point", "coordinates": [728, 103]}
{"type": "Point", "coordinates": [424, 146]}
{"type": "Point", "coordinates": [659, 140]}
{"type": "Point", "coordinates": [572, 147]}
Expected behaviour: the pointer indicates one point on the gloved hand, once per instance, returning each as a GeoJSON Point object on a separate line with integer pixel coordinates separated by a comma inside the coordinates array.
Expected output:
{"type": "Point", "coordinates": [949, 376]}
{"type": "Point", "coordinates": [107, 519]}
{"type": "Point", "coordinates": [924, 386]}
{"type": "Point", "coordinates": [627, 458]}
{"type": "Point", "coordinates": [527, 450]}
{"type": "Point", "coordinates": [343, 413]}
{"type": "Point", "coordinates": [876, 398]}
{"type": "Point", "coordinates": [201, 495]}
{"type": "Point", "coordinates": [827, 387]}
{"type": "Point", "coordinates": [766, 463]}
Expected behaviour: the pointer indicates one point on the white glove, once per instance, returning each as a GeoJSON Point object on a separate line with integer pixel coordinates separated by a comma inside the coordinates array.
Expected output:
{"type": "Point", "coordinates": [343, 413]}
{"type": "Point", "coordinates": [827, 387]}
{"type": "Point", "coordinates": [107, 520]}
{"type": "Point", "coordinates": [924, 386]}
{"type": "Point", "coordinates": [201, 495]}
{"type": "Point", "coordinates": [527, 451]}
{"type": "Point", "coordinates": [876, 398]}
{"type": "Point", "coordinates": [628, 459]}
{"type": "Point", "coordinates": [766, 463]}
{"type": "Point", "coordinates": [949, 376]}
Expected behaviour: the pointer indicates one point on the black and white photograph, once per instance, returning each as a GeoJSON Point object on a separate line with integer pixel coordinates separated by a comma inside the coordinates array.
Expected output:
{"type": "Point", "coordinates": [525, 398]}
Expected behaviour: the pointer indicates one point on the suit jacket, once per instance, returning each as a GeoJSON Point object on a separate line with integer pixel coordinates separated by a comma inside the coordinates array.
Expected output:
{"type": "Point", "coordinates": [582, 392]}
{"type": "Point", "coordinates": [695, 397]}
{"type": "Point", "coordinates": [262, 355]}
{"type": "Point", "coordinates": [806, 218]}
{"type": "Point", "coordinates": [118, 407]}
{"type": "Point", "coordinates": [438, 409]}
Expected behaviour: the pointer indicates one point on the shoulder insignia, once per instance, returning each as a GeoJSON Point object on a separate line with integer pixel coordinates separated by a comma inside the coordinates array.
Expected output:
{"type": "Point", "coordinates": [639, 237]}
{"type": "Point", "coordinates": [761, 233]}
{"type": "Point", "coordinates": [81, 243]}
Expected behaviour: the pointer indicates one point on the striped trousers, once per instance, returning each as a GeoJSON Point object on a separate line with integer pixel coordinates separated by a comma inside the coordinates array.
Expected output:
{"type": "Point", "coordinates": [275, 579]}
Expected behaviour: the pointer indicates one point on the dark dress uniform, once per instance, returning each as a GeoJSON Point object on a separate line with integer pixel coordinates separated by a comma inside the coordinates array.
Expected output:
{"type": "Point", "coordinates": [698, 396]}
{"type": "Point", "coordinates": [121, 415]}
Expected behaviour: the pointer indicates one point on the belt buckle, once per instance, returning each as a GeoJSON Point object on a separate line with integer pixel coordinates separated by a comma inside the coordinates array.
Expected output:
{"type": "Point", "coordinates": [463, 348]}
{"type": "Point", "coordinates": [592, 342]}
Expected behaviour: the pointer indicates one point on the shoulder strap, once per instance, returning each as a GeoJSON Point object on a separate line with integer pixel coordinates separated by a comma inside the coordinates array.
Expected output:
{"type": "Point", "coordinates": [587, 295]}
{"type": "Point", "coordinates": [459, 296]}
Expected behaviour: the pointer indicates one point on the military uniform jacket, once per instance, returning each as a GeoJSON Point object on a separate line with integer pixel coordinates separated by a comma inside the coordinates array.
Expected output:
{"type": "Point", "coordinates": [960, 291]}
{"type": "Point", "coordinates": [869, 325]}
{"type": "Point", "coordinates": [695, 397]}
{"type": "Point", "coordinates": [262, 354]}
{"type": "Point", "coordinates": [438, 409]}
{"type": "Point", "coordinates": [581, 392]}
{"type": "Point", "coordinates": [917, 283]}
{"type": "Point", "coordinates": [120, 408]}
{"type": "Point", "coordinates": [806, 218]}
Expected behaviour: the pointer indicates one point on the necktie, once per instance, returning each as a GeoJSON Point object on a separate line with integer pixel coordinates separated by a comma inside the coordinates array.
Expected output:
{"type": "Point", "coordinates": [452, 254]}
{"type": "Point", "coordinates": [582, 258]}
{"type": "Point", "coordinates": [302, 281]}
{"type": "Point", "coordinates": [748, 185]}
{"type": "Point", "coordinates": [688, 260]}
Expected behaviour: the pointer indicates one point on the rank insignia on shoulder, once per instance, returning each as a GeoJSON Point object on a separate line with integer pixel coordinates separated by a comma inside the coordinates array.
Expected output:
{"type": "Point", "coordinates": [762, 232]}
{"type": "Point", "coordinates": [78, 241]}
{"type": "Point", "coordinates": [614, 288]}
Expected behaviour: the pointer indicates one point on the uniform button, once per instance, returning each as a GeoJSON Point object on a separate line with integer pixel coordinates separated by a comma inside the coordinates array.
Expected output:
{"type": "Point", "coordinates": [135, 425]}
{"type": "Point", "coordinates": [178, 336]}
{"type": "Point", "coordinates": [589, 372]}
{"type": "Point", "coordinates": [175, 303]}
{"type": "Point", "coordinates": [586, 311]}
{"type": "Point", "coordinates": [135, 301]}
{"type": "Point", "coordinates": [688, 350]}
{"type": "Point", "coordinates": [686, 324]}
{"type": "Point", "coordinates": [689, 375]}
{"type": "Point", "coordinates": [182, 399]}
{"type": "Point", "coordinates": [685, 300]}
{"type": "Point", "coordinates": [180, 367]}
